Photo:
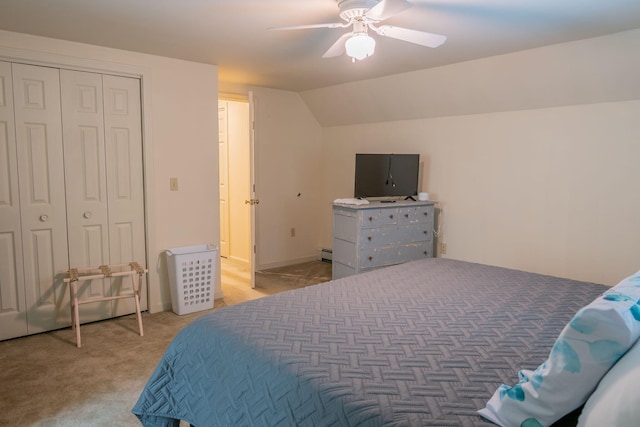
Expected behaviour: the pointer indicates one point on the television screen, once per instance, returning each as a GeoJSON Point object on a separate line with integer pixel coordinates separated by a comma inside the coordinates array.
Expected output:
{"type": "Point", "coordinates": [386, 175]}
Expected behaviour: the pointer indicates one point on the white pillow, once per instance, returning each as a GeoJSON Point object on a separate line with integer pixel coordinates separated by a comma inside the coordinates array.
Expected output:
{"type": "Point", "coordinates": [593, 341]}
{"type": "Point", "coordinates": [616, 401]}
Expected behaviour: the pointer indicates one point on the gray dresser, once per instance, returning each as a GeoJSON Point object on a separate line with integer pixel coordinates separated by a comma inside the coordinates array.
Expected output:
{"type": "Point", "coordinates": [379, 234]}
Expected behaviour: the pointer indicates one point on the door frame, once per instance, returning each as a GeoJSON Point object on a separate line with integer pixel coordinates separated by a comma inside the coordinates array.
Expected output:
{"type": "Point", "coordinates": [250, 99]}
{"type": "Point", "coordinates": [252, 184]}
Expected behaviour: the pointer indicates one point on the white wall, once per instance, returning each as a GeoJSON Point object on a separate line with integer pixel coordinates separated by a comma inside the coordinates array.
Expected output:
{"type": "Point", "coordinates": [552, 190]}
{"type": "Point", "coordinates": [289, 176]}
{"type": "Point", "coordinates": [180, 137]}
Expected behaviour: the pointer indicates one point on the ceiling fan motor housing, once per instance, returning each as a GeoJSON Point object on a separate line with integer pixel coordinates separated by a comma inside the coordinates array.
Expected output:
{"type": "Point", "coordinates": [351, 9]}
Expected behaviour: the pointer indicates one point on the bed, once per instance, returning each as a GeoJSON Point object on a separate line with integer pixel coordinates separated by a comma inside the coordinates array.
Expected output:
{"type": "Point", "coordinates": [425, 343]}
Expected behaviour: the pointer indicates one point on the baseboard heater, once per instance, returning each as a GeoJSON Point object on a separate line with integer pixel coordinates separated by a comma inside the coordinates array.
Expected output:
{"type": "Point", "coordinates": [326, 255]}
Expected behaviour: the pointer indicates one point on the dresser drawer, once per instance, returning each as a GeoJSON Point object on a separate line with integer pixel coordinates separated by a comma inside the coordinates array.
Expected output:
{"type": "Point", "coordinates": [377, 217]}
{"type": "Point", "coordinates": [390, 235]}
{"type": "Point", "coordinates": [390, 255]}
{"type": "Point", "coordinates": [410, 215]}
{"type": "Point", "coordinates": [417, 251]}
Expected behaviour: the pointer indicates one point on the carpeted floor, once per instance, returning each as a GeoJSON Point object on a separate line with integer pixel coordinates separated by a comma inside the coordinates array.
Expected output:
{"type": "Point", "coordinates": [46, 381]}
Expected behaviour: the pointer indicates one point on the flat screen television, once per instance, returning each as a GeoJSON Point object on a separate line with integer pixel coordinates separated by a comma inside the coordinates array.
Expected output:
{"type": "Point", "coordinates": [386, 175]}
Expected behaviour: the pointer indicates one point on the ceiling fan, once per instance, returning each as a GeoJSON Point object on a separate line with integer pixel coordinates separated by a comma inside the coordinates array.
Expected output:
{"type": "Point", "coordinates": [365, 15]}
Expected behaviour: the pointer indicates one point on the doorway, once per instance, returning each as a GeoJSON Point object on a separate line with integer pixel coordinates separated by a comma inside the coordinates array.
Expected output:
{"type": "Point", "coordinates": [235, 190]}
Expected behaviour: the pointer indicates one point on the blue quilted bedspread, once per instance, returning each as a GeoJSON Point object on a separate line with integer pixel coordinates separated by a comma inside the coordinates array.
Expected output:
{"type": "Point", "coordinates": [419, 344]}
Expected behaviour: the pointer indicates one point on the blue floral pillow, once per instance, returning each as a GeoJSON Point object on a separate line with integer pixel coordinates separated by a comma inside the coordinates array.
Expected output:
{"type": "Point", "coordinates": [593, 341]}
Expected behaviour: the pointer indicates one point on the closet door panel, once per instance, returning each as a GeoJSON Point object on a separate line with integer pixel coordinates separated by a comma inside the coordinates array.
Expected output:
{"type": "Point", "coordinates": [42, 246]}
{"type": "Point", "coordinates": [123, 139]}
{"type": "Point", "coordinates": [42, 199]}
{"type": "Point", "coordinates": [13, 317]}
{"type": "Point", "coordinates": [86, 188]}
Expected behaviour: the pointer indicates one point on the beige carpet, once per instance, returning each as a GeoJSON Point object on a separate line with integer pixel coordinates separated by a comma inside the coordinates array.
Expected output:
{"type": "Point", "coordinates": [46, 381]}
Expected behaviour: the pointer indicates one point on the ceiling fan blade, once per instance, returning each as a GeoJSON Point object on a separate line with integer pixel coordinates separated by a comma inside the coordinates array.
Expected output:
{"type": "Point", "coordinates": [304, 27]}
{"type": "Point", "coordinates": [411, 36]}
{"type": "Point", "coordinates": [387, 8]}
{"type": "Point", "coordinates": [337, 48]}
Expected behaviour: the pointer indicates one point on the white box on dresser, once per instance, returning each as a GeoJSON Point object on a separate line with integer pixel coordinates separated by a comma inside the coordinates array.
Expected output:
{"type": "Point", "coordinates": [366, 237]}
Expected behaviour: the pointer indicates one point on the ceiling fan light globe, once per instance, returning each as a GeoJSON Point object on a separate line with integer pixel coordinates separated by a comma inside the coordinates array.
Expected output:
{"type": "Point", "coordinates": [359, 46]}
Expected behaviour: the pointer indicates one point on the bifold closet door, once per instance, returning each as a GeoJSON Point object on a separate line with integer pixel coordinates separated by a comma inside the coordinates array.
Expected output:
{"type": "Point", "coordinates": [105, 201]}
{"type": "Point", "coordinates": [13, 312]}
{"type": "Point", "coordinates": [86, 184]}
{"type": "Point", "coordinates": [125, 190]}
{"type": "Point", "coordinates": [36, 92]}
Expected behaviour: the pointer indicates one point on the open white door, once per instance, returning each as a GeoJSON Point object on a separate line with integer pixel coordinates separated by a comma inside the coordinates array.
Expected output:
{"type": "Point", "coordinates": [238, 200]}
{"type": "Point", "coordinates": [252, 183]}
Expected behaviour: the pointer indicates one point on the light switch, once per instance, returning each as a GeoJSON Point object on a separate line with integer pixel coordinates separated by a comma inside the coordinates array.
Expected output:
{"type": "Point", "coordinates": [173, 184]}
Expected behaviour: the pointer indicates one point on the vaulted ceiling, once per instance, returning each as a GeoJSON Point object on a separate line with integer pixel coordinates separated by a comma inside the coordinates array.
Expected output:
{"type": "Point", "coordinates": [234, 35]}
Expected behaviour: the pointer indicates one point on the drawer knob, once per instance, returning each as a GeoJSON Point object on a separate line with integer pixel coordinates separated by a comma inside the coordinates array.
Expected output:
{"type": "Point", "coordinates": [370, 218]}
{"type": "Point", "coordinates": [406, 215]}
{"type": "Point", "coordinates": [369, 238]}
{"type": "Point", "coordinates": [425, 252]}
{"type": "Point", "coordinates": [426, 214]}
{"type": "Point", "coordinates": [426, 232]}
{"type": "Point", "coordinates": [370, 257]}
{"type": "Point", "coordinates": [391, 216]}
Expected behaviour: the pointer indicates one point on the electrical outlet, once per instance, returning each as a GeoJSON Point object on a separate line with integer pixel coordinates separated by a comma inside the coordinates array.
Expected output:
{"type": "Point", "coordinates": [443, 248]}
{"type": "Point", "coordinates": [293, 232]}
{"type": "Point", "coordinates": [173, 184]}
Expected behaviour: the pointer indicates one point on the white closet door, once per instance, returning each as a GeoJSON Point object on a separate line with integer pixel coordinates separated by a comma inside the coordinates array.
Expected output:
{"type": "Point", "coordinates": [123, 139]}
{"type": "Point", "coordinates": [42, 200]}
{"type": "Point", "coordinates": [86, 187]}
{"type": "Point", "coordinates": [13, 315]}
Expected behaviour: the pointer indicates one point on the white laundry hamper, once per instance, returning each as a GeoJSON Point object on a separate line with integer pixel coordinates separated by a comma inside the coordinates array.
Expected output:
{"type": "Point", "coordinates": [192, 273]}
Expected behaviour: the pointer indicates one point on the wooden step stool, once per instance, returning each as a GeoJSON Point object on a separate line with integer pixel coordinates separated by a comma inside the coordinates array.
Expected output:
{"type": "Point", "coordinates": [80, 274]}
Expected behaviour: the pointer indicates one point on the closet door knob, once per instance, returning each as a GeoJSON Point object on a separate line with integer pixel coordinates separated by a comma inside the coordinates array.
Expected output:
{"type": "Point", "coordinates": [44, 218]}
{"type": "Point", "coordinates": [87, 215]}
